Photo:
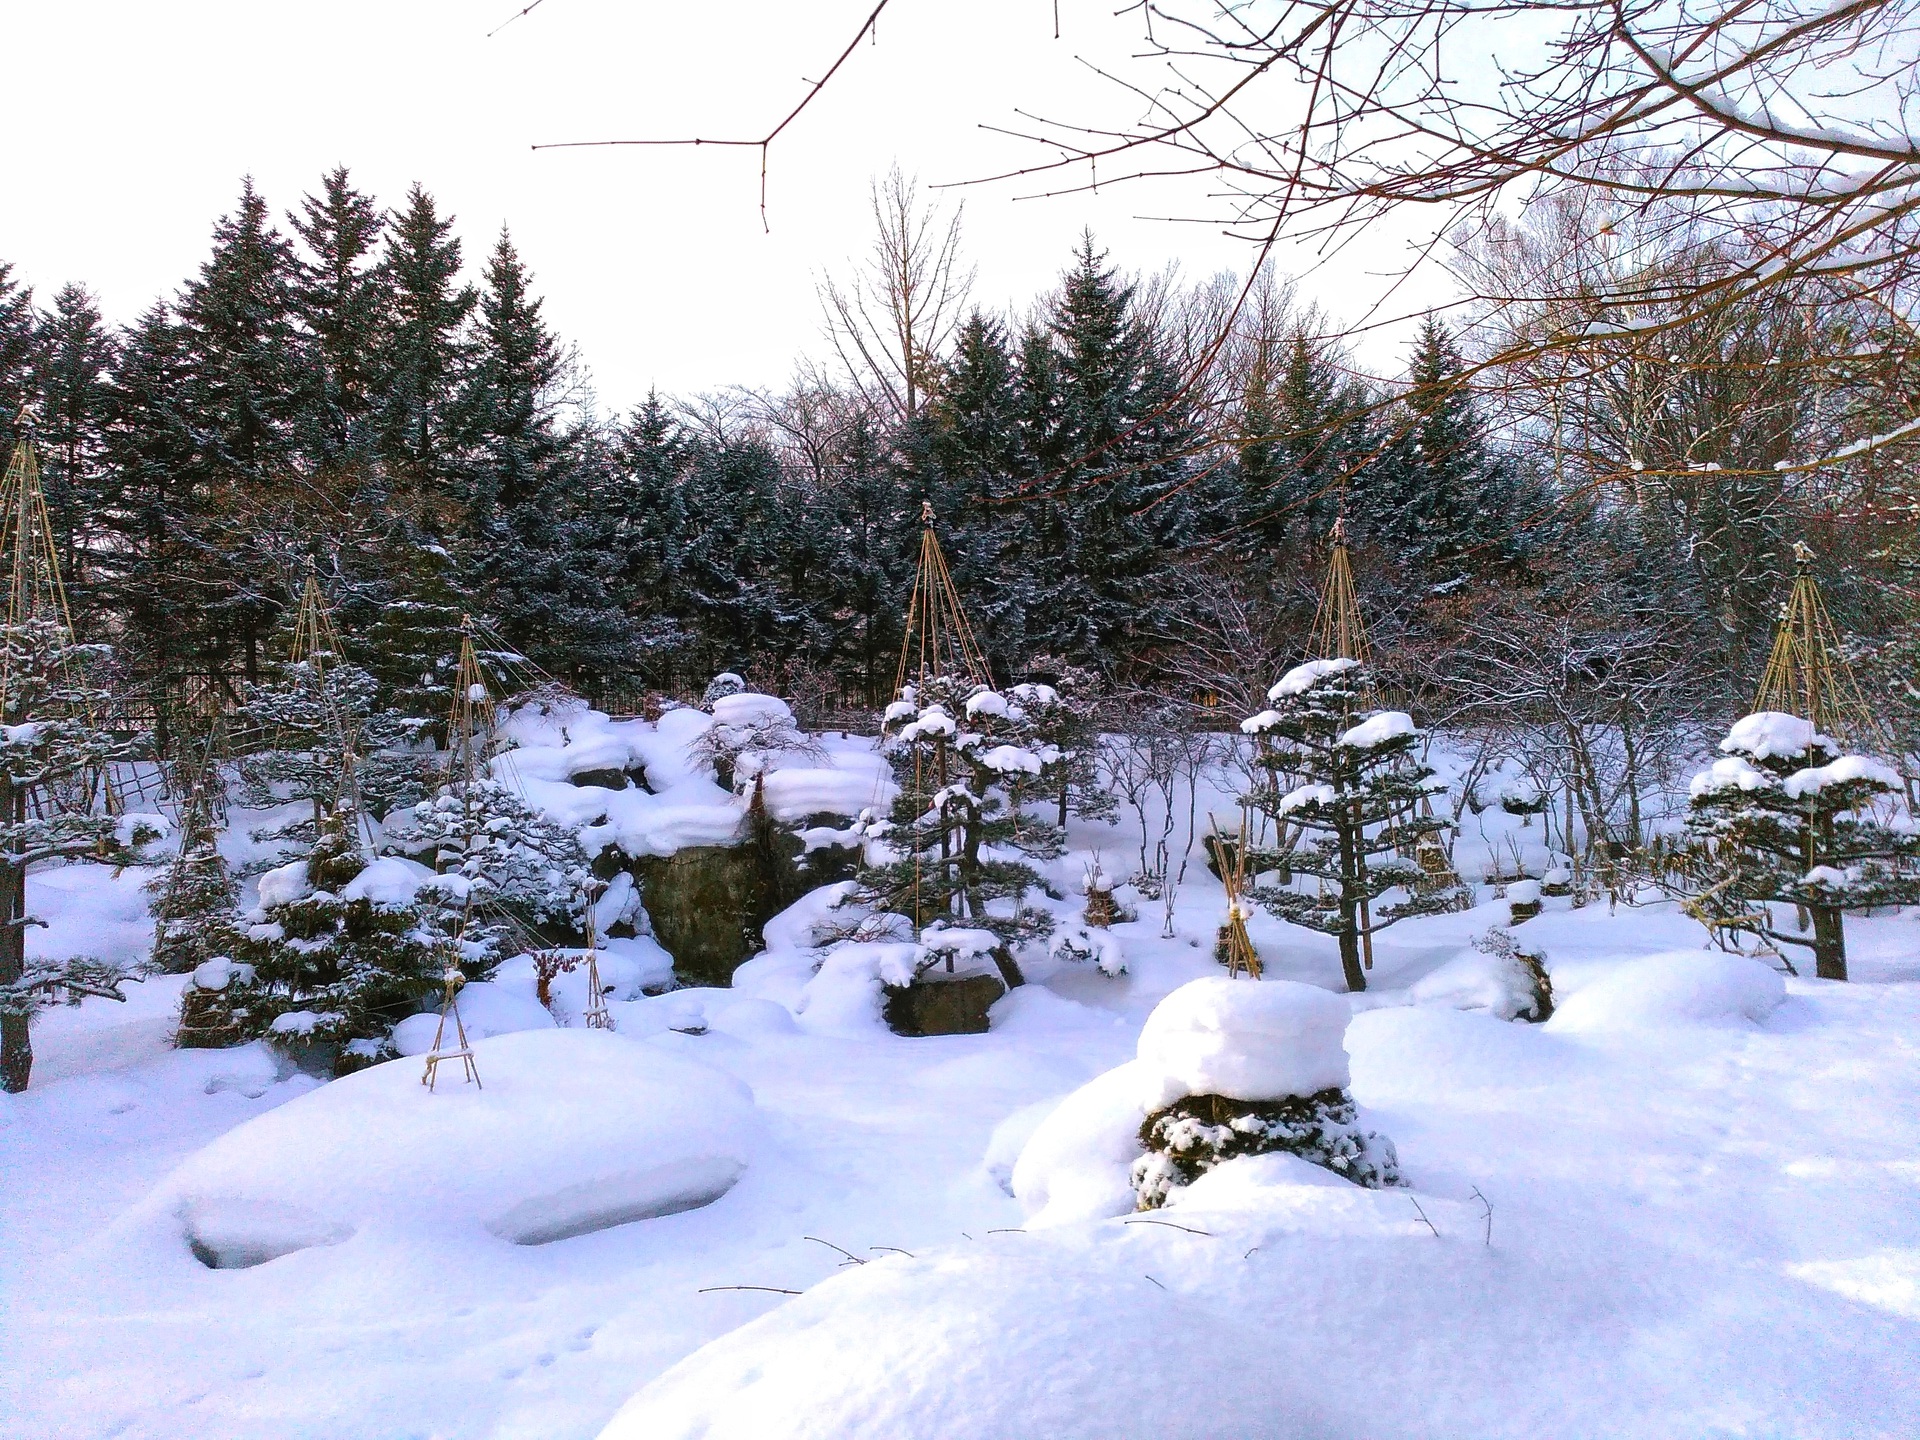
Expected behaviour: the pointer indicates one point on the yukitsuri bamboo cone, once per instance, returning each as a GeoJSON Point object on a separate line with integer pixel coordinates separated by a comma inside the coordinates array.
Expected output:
{"type": "Point", "coordinates": [1807, 672]}
{"type": "Point", "coordinates": [939, 641]}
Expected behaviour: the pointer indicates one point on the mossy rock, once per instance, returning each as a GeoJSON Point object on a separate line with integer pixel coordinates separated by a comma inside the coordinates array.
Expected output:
{"type": "Point", "coordinates": [932, 1006]}
{"type": "Point", "coordinates": [707, 903]}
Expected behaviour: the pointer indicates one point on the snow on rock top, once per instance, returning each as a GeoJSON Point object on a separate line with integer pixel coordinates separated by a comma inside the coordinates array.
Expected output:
{"type": "Point", "coordinates": [1684, 987]}
{"type": "Point", "coordinates": [1770, 734]}
{"type": "Point", "coordinates": [1246, 1040]}
{"type": "Point", "coordinates": [575, 1131]}
{"type": "Point", "coordinates": [1302, 678]}
{"type": "Point", "coordinates": [1378, 730]}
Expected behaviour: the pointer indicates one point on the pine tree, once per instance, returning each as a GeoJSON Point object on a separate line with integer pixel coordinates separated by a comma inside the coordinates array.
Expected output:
{"type": "Point", "coordinates": [339, 298]}
{"type": "Point", "coordinates": [866, 527]}
{"type": "Point", "coordinates": [52, 753]}
{"type": "Point", "coordinates": [1792, 820]}
{"type": "Point", "coordinates": [1348, 784]}
{"type": "Point", "coordinates": [414, 645]}
{"type": "Point", "coordinates": [423, 361]}
{"type": "Point", "coordinates": [961, 756]}
{"type": "Point", "coordinates": [74, 354]}
{"type": "Point", "coordinates": [649, 532]}
{"type": "Point", "coordinates": [537, 546]}
{"type": "Point", "coordinates": [520, 871]}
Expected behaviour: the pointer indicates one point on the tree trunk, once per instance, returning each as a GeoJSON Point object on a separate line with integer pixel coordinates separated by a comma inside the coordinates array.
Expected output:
{"type": "Point", "coordinates": [1352, 906]}
{"type": "Point", "coordinates": [1350, 958]}
{"type": "Point", "coordinates": [1829, 943]}
{"type": "Point", "coordinates": [16, 1041]}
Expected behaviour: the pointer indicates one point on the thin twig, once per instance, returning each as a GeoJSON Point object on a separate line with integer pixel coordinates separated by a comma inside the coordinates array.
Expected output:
{"type": "Point", "coordinates": [513, 17]}
{"type": "Point", "coordinates": [1489, 1215]}
{"type": "Point", "coordinates": [769, 1289]}
{"type": "Point", "coordinates": [1423, 1218]}
{"type": "Point", "coordinates": [1008, 1230]}
{"type": "Point", "coordinates": [857, 1260]}
{"type": "Point", "coordinates": [895, 1249]}
{"type": "Point", "coordinates": [1171, 1226]}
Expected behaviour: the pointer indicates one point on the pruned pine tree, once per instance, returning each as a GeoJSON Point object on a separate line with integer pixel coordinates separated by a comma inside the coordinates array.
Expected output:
{"type": "Point", "coordinates": [1790, 819]}
{"type": "Point", "coordinates": [53, 751]}
{"type": "Point", "coordinates": [516, 868]}
{"type": "Point", "coordinates": [323, 960]}
{"type": "Point", "coordinates": [1348, 783]}
{"type": "Point", "coordinates": [1063, 717]}
{"type": "Point", "coordinates": [958, 839]}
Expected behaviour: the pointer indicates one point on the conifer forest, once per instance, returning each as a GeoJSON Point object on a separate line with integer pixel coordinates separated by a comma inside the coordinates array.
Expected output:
{"type": "Point", "coordinates": [1289, 849]}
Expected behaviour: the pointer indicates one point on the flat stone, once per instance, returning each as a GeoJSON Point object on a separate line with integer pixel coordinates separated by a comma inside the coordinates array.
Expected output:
{"type": "Point", "coordinates": [932, 1006]}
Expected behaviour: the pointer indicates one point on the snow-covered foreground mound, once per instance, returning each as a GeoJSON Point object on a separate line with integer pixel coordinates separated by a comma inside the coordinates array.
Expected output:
{"type": "Point", "coordinates": [1618, 1287]}
{"type": "Point", "coordinates": [574, 1131]}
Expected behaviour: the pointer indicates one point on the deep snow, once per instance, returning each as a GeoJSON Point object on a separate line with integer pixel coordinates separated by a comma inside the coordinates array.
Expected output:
{"type": "Point", "coordinates": [1704, 1188]}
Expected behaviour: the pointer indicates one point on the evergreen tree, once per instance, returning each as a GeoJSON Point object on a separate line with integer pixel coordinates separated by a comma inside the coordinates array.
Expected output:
{"type": "Point", "coordinates": [958, 837]}
{"type": "Point", "coordinates": [74, 354]}
{"type": "Point", "coordinates": [1349, 786]}
{"type": "Point", "coordinates": [1438, 501]}
{"type": "Point", "coordinates": [423, 360]}
{"type": "Point", "coordinates": [865, 529]}
{"type": "Point", "coordinates": [16, 354]}
{"type": "Point", "coordinates": [1791, 820]}
{"type": "Point", "coordinates": [247, 369]}
{"type": "Point", "coordinates": [969, 451]}
{"type": "Point", "coordinates": [414, 646]}
{"type": "Point", "coordinates": [1107, 434]}
{"type": "Point", "coordinates": [339, 298]}
{"type": "Point", "coordinates": [538, 549]}
{"type": "Point", "coordinates": [519, 870]}
{"type": "Point", "coordinates": [194, 895]}
{"type": "Point", "coordinates": [323, 960]}
{"type": "Point", "coordinates": [52, 754]}
{"type": "Point", "coordinates": [649, 531]}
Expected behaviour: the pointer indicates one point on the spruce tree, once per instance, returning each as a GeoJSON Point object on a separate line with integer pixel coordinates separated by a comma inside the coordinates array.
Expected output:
{"type": "Point", "coordinates": [194, 894]}
{"type": "Point", "coordinates": [16, 354]}
{"type": "Point", "coordinates": [423, 359]}
{"type": "Point", "coordinates": [74, 355]}
{"type": "Point", "coordinates": [1347, 781]}
{"type": "Point", "coordinates": [339, 296]}
{"type": "Point", "coordinates": [1790, 819]}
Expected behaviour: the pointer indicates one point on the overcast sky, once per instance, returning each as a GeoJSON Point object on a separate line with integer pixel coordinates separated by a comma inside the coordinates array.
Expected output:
{"type": "Point", "coordinates": [131, 125]}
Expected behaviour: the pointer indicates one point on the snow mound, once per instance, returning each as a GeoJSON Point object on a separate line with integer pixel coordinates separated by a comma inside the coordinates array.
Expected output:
{"type": "Point", "coordinates": [1377, 730]}
{"type": "Point", "coordinates": [1244, 1039]}
{"type": "Point", "coordinates": [486, 1009]}
{"type": "Point", "coordinates": [1770, 734]}
{"type": "Point", "coordinates": [1077, 1162]}
{"type": "Point", "coordinates": [1477, 980]}
{"type": "Point", "coordinates": [1682, 987]}
{"type": "Point", "coordinates": [574, 1131]}
{"type": "Point", "coordinates": [1302, 678]}
{"type": "Point", "coordinates": [750, 710]}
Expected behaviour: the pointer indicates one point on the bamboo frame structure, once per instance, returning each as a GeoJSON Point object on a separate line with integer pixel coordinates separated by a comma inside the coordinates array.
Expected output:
{"type": "Point", "coordinates": [463, 1051]}
{"type": "Point", "coordinates": [1807, 672]}
{"type": "Point", "coordinates": [1238, 945]}
{"type": "Point", "coordinates": [939, 639]}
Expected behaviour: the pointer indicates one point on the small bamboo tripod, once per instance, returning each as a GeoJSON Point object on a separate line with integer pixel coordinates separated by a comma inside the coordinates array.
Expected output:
{"type": "Point", "coordinates": [598, 1017]}
{"type": "Point", "coordinates": [450, 1008]}
{"type": "Point", "coordinates": [1234, 941]}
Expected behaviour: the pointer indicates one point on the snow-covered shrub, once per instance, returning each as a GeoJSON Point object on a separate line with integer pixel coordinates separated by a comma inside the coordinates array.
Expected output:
{"type": "Point", "coordinates": [1244, 1067]}
{"type": "Point", "coordinates": [1499, 975]}
{"type": "Point", "coordinates": [1193, 1135]}
{"type": "Point", "coordinates": [193, 898]}
{"type": "Point", "coordinates": [515, 861]}
{"type": "Point", "coordinates": [333, 954]}
{"type": "Point", "coordinates": [722, 685]}
{"type": "Point", "coordinates": [1786, 817]}
{"type": "Point", "coordinates": [1077, 944]}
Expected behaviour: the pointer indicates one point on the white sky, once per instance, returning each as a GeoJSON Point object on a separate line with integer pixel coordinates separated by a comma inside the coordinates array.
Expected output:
{"type": "Point", "coordinates": [130, 124]}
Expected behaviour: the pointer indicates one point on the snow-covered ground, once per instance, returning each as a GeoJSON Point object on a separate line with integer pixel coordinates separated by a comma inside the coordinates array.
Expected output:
{"type": "Point", "coordinates": [1704, 1196]}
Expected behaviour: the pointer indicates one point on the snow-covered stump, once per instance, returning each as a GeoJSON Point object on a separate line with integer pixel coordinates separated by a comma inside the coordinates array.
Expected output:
{"type": "Point", "coordinates": [1238, 1069]}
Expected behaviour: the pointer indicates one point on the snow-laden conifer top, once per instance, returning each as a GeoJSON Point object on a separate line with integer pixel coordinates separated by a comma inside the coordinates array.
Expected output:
{"type": "Point", "coordinates": [1772, 734]}
{"type": "Point", "coordinates": [1378, 729]}
{"type": "Point", "coordinates": [1847, 768]}
{"type": "Point", "coordinates": [1244, 1039]}
{"type": "Point", "coordinates": [1303, 678]}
